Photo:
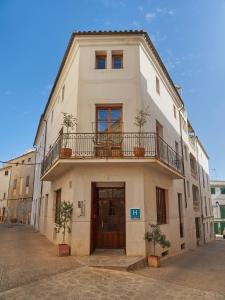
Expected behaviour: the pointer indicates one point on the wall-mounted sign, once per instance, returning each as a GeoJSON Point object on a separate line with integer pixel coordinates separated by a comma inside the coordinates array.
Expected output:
{"type": "Point", "coordinates": [135, 213]}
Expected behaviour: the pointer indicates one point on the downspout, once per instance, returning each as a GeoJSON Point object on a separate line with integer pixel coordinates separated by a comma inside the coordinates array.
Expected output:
{"type": "Point", "coordinates": [39, 206]}
{"type": "Point", "coordinates": [34, 179]}
{"type": "Point", "coordinates": [200, 191]}
{"type": "Point", "coordinates": [182, 152]}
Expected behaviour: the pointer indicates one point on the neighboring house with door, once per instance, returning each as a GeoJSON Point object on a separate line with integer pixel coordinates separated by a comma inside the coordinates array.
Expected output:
{"type": "Point", "coordinates": [19, 181]}
{"type": "Point", "coordinates": [119, 179]}
{"type": "Point", "coordinates": [218, 204]}
{"type": "Point", "coordinates": [5, 173]}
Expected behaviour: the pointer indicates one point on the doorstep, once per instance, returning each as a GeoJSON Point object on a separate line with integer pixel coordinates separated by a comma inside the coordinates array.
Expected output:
{"type": "Point", "coordinates": [113, 260]}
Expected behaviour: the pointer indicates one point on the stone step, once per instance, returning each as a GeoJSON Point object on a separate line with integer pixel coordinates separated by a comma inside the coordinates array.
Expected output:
{"type": "Point", "coordinates": [113, 262]}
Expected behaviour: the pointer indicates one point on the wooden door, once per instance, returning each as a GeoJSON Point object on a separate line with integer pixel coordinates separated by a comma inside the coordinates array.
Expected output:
{"type": "Point", "coordinates": [109, 221]}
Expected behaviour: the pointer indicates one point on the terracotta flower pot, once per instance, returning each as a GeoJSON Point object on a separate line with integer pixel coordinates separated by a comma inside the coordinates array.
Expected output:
{"type": "Point", "coordinates": [154, 261]}
{"type": "Point", "coordinates": [63, 250]}
{"type": "Point", "coordinates": [65, 152]}
{"type": "Point", "coordinates": [139, 151]}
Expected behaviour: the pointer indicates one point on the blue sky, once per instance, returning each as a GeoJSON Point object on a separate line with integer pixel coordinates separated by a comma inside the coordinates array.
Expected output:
{"type": "Point", "coordinates": [189, 36]}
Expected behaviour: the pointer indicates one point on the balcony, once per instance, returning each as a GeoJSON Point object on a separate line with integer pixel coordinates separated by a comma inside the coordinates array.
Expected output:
{"type": "Point", "coordinates": [111, 147]}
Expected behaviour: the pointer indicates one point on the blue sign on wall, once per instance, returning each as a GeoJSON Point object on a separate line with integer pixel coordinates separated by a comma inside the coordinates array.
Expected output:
{"type": "Point", "coordinates": [135, 213]}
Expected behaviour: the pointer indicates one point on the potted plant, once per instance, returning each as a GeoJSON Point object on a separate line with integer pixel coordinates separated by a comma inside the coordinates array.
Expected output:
{"type": "Point", "coordinates": [69, 121]}
{"type": "Point", "coordinates": [156, 237]}
{"type": "Point", "coordinates": [64, 216]}
{"type": "Point", "coordinates": [140, 120]}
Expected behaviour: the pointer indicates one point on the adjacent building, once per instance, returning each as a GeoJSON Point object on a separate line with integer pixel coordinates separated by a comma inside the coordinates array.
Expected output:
{"type": "Point", "coordinates": [218, 204]}
{"type": "Point", "coordinates": [120, 179]}
{"type": "Point", "coordinates": [16, 188]}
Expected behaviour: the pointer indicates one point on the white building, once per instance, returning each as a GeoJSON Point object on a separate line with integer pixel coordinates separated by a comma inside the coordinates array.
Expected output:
{"type": "Point", "coordinates": [104, 79]}
{"type": "Point", "coordinates": [218, 204]}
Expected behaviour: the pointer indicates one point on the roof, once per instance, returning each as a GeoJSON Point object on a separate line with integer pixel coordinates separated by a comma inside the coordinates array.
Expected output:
{"type": "Point", "coordinates": [20, 156]}
{"type": "Point", "coordinates": [217, 182]}
{"type": "Point", "coordinates": [96, 33]}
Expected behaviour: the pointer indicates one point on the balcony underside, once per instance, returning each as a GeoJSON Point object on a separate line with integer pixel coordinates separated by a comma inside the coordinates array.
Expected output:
{"type": "Point", "coordinates": [61, 166]}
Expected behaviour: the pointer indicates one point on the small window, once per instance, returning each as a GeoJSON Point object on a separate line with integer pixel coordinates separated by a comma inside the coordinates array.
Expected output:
{"type": "Point", "coordinates": [174, 111]}
{"type": "Point", "coordinates": [23, 161]}
{"type": "Point", "coordinates": [100, 60]}
{"type": "Point", "coordinates": [157, 85]}
{"type": "Point", "coordinates": [63, 92]}
{"type": "Point", "coordinates": [52, 116]}
{"type": "Point", "coordinates": [29, 159]}
{"type": "Point", "coordinates": [14, 184]}
{"type": "Point", "coordinates": [4, 196]}
{"type": "Point", "coordinates": [117, 60]}
{"type": "Point", "coordinates": [222, 191]}
{"type": "Point", "coordinates": [161, 206]}
{"type": "Point", "coordinates": [27, 180]}
{"type": "Point", "coordinates": [213, 190]}
{"type": "Point", "coordinates": [6, 173]}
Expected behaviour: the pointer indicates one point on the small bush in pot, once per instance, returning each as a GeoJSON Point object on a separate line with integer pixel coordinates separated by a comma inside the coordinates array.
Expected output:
{"type": "Point", "coordinates": [64, 216]}
{"type": "Point", "coordinates": [140, 120]}
{"type": "Point", "coordinates": [69, 121]}
{"type": "Point", "coordinates": [156, 237]}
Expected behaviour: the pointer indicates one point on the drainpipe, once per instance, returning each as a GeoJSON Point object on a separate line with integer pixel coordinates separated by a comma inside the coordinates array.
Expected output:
{"type": "Point", "coordinates": [200, 191]}
{"type": "Point", "coordinates": [182, 152]}
{"type": "Point", "coordinates": [39, 206]}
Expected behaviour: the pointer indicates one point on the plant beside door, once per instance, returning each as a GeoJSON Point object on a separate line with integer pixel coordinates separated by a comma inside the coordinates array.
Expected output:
{"type": "Point", "coordinates": [140, 120]}
{"type": "Point", "coordinates": [63, 220]}
{"type": "Point", "coordinates": [69, 121]}
{"type": "Point", "coordinates": [156, 237]}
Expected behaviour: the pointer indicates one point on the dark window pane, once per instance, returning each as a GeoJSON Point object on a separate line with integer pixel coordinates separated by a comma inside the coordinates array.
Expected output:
{"type": "Point", "coordinates": [213, 191]}
{"type": "Point", "coordinates": [117, 62]}
{"type": "Point", "coordinates": [101, 63]}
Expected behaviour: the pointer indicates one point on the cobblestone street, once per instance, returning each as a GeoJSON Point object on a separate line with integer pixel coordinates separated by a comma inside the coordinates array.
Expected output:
{"type": "Point", "coordinates": [30, 270]}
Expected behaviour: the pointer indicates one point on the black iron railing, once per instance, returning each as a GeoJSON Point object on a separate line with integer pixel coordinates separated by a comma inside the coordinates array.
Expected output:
{"type": "Point", "coordinates": [112, 145]}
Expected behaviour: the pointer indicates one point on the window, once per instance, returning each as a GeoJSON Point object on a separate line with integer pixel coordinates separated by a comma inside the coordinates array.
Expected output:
{"type": "Point", "coordinates": [117, 60]}
{"type": "Point", "coordinates": [161, 206]}
{"type": "Point", "coordinates": [213, 190]}
{"type": "Point", "coordinates": [222, 190]}
{"type": "Point", "coordinates": [14, 184]}
{"type": "Point", "coordinates": [57, 205]}
{"type": "Point", "coordinates": [63, 92]}
{"type": "Point", "coordinates": [157, 85]}
{"type": "Point", "coordinates": [6, 173]}
{"type": "Point", "coordinates": [4, 196]}
{"type": "Point", "coordinates": [193, 165]}
{"type": "Point", "coordinates": [27, 180]}
{"type": "Point", "coordinates": [174, 111]}
{"type": "Point", "coordinates": [23, 161]}
{"type": "Point", "coordinates": [29, 159]}
{"type": "Point", "coordinates": [188, 189]}
{"type": "Point", "coordinates": [100, 60]}
{"type": "Point", "coordinates": [181, 217]}
{"type": "Point", "coordinates": [196, 199]}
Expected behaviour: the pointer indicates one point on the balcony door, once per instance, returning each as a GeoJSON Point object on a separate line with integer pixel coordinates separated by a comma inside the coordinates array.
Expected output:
{"type": "Point", "coordinates": [109, 129]}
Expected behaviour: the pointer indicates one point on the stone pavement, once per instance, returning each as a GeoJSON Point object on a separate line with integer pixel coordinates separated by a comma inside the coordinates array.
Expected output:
{"type": "Point", "coordinates": [30, 270]}
{"type": "Point", "coordinates": [202, 268]}
{"type": "Point", "coordinates": [91, 283]}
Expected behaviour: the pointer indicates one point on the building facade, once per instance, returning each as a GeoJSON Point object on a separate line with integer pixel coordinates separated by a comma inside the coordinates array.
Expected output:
{"type": "Point", "coordinates": [16, 186]}
{"type": "Point", "coordinates": [119, 179]}
{"type": "Point", "coordinates": [218, 204]}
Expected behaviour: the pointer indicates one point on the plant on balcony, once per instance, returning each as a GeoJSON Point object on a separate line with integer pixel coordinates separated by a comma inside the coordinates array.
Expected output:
{"type": "Point", "coordinates": [69, 121]}
{"type": "Point", "coordinates": [64, 216]}
{"type": "Point", "coordinates": [140, 120]}
{"type": "Point", "coordinates": [156, 237]}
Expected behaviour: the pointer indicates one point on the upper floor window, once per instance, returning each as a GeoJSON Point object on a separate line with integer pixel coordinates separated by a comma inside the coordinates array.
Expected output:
{"type": "Point", "coordinates": [4, 196]}
{"type": "Point", "coordinates": [174, 111]}
{"type": "Point", "coordinates": [29, 159]}
{"type": "Point", "coordinates": [117, 60]}
{"type": "Point", "coordinates": [157, 85]}
{"type": "Point", "coordinates": [27, 180]}
{"type": "Point", "coordinates": [63, 92]}
{"type": "Point", "coordinates": [6, 173]}
{"type": "Point", "coordinates": [23, 161]}
{"type": "Point", "coordinates": [213, 190]}
{"type": "Point", "coordinates": [222, 190]}
{"type": "Point", "coordinates": [109, 118]}
{"type": "Point", "coordinates": [100, 60]}
{"type": "Point", "coordinates": [193, 164]}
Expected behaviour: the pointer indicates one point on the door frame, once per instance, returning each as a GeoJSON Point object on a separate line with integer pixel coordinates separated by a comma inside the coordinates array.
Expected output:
{"type": "Point", "coordinates": [93, 216]}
